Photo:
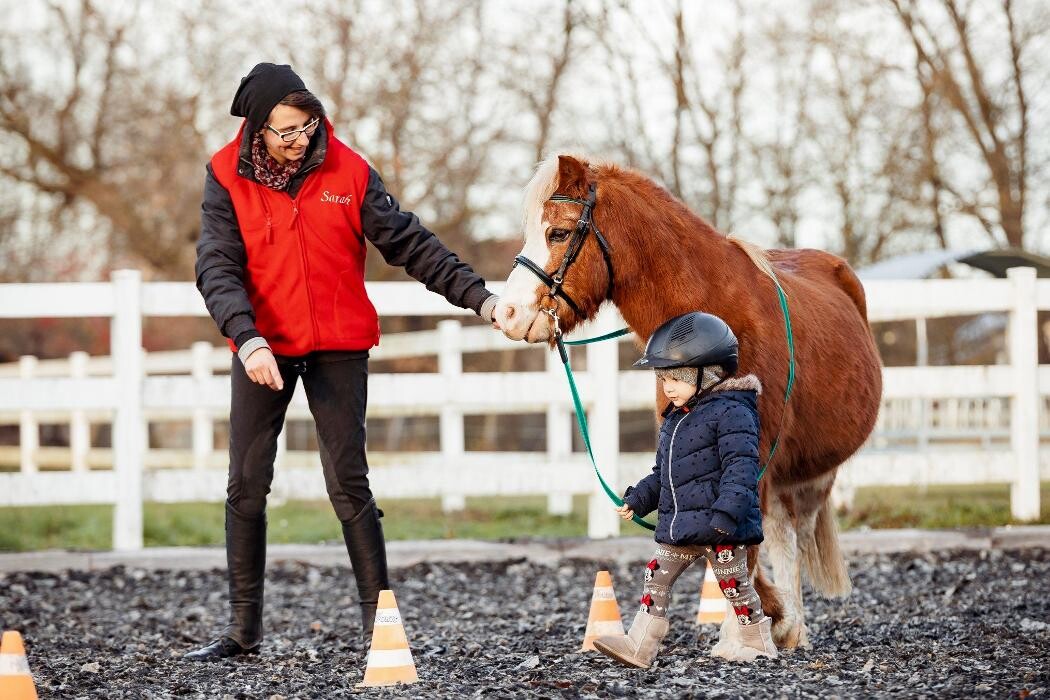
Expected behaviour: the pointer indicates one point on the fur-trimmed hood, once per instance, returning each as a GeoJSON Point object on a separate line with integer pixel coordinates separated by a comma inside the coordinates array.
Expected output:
{"type": "Point", "coordinates": [748, 382]}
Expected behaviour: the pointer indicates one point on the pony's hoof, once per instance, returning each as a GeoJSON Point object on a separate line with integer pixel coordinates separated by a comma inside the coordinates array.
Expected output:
{"type": "Point", "coordinates": [789, 634]}
{"type": "Point", "coordinates": [732, 650]}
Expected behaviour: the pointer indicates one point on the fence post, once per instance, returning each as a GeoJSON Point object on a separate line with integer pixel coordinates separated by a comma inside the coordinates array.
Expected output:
{"type": "Point", "coordinates": [450, 365]}
{"type": "Point", "coordinates": [559, 437]}
{"type": "Point", "coordinates": [28, 429]}
{"type": "Point", "coordinates": [129, 429]}
{"type": "Point", "coordinates": [603, 367]}
{"type": "Point", "coordinates": [79, 428]}
{"type": "Point", "coordinates": [922, 359]}
{"type": "Point", "coordinates": [1024, 401]}
{"type": "Point", "coordinates": [203, 430]}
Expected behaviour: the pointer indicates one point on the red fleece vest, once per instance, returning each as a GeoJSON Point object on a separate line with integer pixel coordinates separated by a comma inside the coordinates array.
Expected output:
{"type": "Point", "coordinates": [306, 256]}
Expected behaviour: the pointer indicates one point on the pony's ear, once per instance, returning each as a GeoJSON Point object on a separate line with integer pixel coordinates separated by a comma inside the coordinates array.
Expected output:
{"type": "Point", "coordinates": [572, 174]}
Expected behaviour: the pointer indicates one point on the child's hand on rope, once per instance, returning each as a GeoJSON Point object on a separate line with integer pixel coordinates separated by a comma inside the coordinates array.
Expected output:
{"type": "Point", "coordinates": [625, 512]}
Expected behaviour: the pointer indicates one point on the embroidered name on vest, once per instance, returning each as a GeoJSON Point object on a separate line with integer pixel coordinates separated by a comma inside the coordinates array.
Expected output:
{"type": "Point", "coordinates": [327, 196]}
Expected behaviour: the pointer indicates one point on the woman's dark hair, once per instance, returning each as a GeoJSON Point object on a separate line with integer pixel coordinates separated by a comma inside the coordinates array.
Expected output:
{"type": "Point", "coordinates": [306, 101]}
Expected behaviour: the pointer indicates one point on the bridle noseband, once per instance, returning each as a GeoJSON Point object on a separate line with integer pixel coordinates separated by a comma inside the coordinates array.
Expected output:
{"type": "Point", "coordinates": [555, 281]}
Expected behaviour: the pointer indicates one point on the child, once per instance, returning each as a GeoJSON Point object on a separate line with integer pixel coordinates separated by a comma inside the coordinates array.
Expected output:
{"type": "Point", "coordinates": [705, 483]}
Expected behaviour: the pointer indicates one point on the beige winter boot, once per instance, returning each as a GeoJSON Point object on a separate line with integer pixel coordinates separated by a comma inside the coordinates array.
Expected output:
{"type": "Point", "coordinates": [640, 645]}
{"type": "Point", "coordinates": [759, 637]}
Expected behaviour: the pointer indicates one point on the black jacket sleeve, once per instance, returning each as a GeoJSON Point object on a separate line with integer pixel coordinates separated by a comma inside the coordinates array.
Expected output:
{"type": "Point", "coordinates": [403, 241]}
{"type": "Point", "coordinates": [221, 264]}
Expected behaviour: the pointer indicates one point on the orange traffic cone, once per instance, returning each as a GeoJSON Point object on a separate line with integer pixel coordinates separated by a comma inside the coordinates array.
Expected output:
{"type": "Point", "coordinates": [604, 619]}
{"type": "Point", "coordinates": [15, 681]}
{"type": "Point", "coordinates": [389, 659]}
{"type": "Point", "coordinates": [712, 603]}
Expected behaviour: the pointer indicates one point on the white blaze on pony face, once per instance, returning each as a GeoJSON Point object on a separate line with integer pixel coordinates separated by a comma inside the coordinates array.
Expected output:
{"type": "Point", "coordinates": [517, 312]}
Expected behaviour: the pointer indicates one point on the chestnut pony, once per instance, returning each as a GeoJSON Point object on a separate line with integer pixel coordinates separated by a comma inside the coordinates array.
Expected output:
{"type": "Point", "coordinates": [651, 256]}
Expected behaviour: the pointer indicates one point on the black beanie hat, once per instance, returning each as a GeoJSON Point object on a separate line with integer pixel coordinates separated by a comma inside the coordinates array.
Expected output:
{"type": "Point", "coordinates": [261, 90]}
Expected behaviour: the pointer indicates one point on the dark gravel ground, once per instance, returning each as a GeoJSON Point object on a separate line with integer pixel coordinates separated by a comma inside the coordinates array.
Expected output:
{"type": "Point", "coordinates": [955, 624]}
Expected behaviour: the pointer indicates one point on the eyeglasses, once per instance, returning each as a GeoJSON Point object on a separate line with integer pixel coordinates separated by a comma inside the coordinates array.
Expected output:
{"type": "Point", "coordinates": [290, 136]}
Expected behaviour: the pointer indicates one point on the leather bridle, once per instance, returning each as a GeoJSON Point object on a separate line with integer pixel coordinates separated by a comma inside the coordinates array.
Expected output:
{"type": "Point", "coordinates": [555, 280]}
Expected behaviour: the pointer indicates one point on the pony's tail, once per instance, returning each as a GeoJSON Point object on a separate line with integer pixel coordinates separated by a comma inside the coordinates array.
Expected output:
{"type": "Point", "coordinates": [822, 558]}
{"type": "Point", "coordinates": [767, 592]}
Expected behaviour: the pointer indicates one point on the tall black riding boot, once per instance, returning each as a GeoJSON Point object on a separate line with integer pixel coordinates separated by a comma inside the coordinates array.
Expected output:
{"type": "Point", "coordinates": [246, 562]}
{"type": "Point", "coordinates": [367, 549]}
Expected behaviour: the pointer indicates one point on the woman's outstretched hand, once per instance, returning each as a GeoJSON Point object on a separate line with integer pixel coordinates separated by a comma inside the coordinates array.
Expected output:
{"type": "Point", "coordinates": [261, 368]}
{"type": "Point", "coordinates": [625, 512]}
{"type": "Point", "coordinates": [492, 313]}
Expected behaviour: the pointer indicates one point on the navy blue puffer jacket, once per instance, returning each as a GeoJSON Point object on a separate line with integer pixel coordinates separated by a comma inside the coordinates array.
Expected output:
{"type": "Point", "coordinates": [706, 471]}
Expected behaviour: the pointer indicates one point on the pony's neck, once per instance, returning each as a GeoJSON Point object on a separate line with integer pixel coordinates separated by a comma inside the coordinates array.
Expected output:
{"type": "Point", "coordinates": [674, 261]}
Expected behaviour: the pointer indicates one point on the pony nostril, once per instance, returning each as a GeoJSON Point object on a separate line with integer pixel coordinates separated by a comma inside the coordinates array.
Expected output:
{"type": "Point", "coordinates": [509, 312]}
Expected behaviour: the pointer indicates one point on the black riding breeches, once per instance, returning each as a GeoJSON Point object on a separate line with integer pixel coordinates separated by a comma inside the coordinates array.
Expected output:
{"type": "Point", "coordinates": [337, 390]}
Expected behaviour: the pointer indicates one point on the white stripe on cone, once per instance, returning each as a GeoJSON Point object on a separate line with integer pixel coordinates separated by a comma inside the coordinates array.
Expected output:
{"type": "Point", "coordinates": [389, 658]}
{"type": "Point", "coordinates": [13, 665]}
{"type": "Point", "coordinates": [603, 593]}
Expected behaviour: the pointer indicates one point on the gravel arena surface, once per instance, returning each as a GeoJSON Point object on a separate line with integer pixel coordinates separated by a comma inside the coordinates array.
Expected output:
{"type": "Point", "coordinates": [951, 624]}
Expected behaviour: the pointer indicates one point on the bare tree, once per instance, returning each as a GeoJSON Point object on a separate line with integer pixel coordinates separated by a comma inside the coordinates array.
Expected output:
{"type": "Point", "coordinates": [788, 126]}
{"type": "Point", "coordinates": [703, 161]}
{"type": "Point", "coordinates": [779, 154]}
{"type": "Point", "coordinates": [994, 118]}
{"type": "Point", "coordinates": [634, 144]}
{"type": "Point", "coordinates": [103, 132]}
{"type": "Point", "coordinates": [537, 77]}
{"type": "Point", "coordinates": [866, 140]}
{"type": "Point", "coordinates": [408, 90]}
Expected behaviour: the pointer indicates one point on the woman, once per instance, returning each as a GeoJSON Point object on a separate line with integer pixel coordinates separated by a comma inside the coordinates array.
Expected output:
{"type": "Point", "coordinates": [280, 264]}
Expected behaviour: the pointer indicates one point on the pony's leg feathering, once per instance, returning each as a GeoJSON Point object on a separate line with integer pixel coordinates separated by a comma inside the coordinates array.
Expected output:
{"type": "Point", "coordinates": [771, 603]}
{"type": "Point", "coordinates": [781, 542]}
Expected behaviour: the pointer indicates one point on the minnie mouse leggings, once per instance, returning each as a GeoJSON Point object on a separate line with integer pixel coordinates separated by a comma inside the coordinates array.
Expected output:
{"type": "Point", "coordinates": [729, 563]}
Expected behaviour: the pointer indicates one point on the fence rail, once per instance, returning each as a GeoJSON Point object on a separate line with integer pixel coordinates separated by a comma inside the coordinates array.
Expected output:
{"type": "Point", "coordinates": [998, 409]}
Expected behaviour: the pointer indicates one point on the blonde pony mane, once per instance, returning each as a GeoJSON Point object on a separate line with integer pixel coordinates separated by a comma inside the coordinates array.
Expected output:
{"type": "Point", "coordinates": [542, 185]}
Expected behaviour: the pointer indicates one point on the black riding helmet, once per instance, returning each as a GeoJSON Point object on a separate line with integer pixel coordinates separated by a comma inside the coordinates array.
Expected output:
{"type": "Point", "coordinates": [694, 339]}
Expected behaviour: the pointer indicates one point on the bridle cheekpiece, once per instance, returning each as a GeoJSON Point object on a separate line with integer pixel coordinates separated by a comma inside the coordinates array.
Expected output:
{"type": "Point", "coordinates": [555, 280]}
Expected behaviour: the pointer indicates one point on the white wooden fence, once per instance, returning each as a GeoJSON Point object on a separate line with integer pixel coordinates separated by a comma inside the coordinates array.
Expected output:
{"type": "Point", "coordinates": [130, 388]}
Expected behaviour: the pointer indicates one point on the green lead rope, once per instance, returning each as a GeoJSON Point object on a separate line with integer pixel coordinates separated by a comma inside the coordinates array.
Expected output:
{"type": "Point", "coordinates": [581, 416]}
{"type": "Point", "coordinates": [791, 371]}
{"type": "Point", "coordinates": [607, 336]}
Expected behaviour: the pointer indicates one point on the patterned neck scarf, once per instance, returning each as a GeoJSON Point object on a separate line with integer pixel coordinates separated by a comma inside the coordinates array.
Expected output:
{"type": "Point", "coordinates": [267, 170]}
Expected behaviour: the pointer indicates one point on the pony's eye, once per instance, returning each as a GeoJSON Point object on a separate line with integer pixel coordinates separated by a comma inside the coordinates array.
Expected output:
{"type": "Point", "coordinates": [557, 235]}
